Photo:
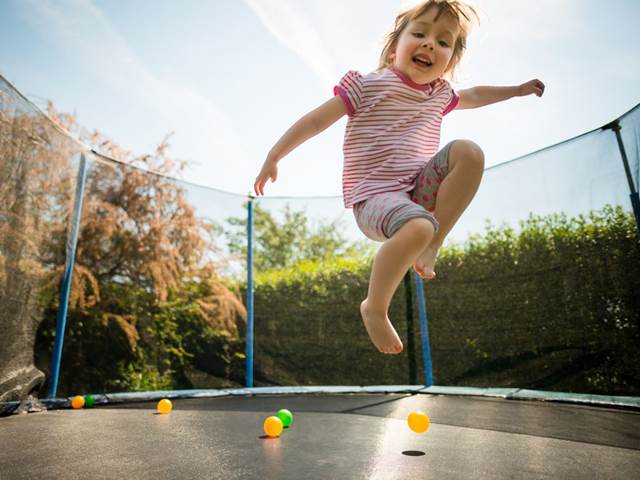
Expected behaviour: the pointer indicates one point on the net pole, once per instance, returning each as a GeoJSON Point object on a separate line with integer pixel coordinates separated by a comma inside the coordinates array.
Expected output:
{"type": "Point", "coordinates": [411, 349]}
{"type": "Point", "coordinates": [249, 347]}
{"type": "Point", "coordinates": [65, 289]}
{"type": "Point", "coordinates": [635, 200]}
{"type": "Point", "coordinates": [424, 331]}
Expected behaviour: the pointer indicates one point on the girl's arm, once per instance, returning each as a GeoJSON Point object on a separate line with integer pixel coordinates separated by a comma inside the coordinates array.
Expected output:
{"type": "Point", "coordinates": [308, 126]}
{"type": "Point", "coordinates": [480, 96]}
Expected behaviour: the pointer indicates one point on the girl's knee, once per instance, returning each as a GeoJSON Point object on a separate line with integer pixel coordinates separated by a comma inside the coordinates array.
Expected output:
{"type": "Point", "coordinates": [467, 152]}
{"type": "Point", "coordinates": [419, 228]}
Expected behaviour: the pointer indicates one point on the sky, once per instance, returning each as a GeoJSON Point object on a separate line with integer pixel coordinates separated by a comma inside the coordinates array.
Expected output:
{"type": "Point", "coordinates": [229, 77]}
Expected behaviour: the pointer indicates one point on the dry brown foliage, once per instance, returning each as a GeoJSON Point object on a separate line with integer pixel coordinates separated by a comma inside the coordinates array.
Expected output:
{"type": "Point", "coordinates": [137, 227]}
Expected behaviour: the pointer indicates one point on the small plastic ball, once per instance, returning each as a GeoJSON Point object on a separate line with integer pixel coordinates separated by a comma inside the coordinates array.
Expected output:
{"type": "Point", "coordinates": [285, 416]}
{"type": "Point", "coordinates": [164, 406]}
{"type": "Point", "coordinates": [273, 426]}
{"type": "Point", "coordinates": [89, 401]}
{"type": "Point", "coordinates": [77, 401]}
{"type": "Point", "coordinates": [418, 422]}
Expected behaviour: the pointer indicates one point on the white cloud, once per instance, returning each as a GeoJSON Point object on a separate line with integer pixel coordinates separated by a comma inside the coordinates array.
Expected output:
{"type": "Point", "coordinates": [332, 36]}
{"type": "Point", "coordinates": [298, 31]}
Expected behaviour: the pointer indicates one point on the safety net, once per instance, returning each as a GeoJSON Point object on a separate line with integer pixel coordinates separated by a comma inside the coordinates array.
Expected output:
{"type": "Point", "coordinates": [536, 284]}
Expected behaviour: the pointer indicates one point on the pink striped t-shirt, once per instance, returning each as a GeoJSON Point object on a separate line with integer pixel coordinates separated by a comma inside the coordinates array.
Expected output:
{"type": "Point", "coordinates": [392, 132]}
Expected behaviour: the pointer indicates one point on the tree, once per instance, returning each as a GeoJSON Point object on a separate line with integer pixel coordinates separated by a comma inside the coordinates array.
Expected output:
{"type": "Point", "coordinates": [283, 244]}
{"type": "Point", "coordinates": [35, 181]}
{"type": "Point", "coordinates": [143, 280]}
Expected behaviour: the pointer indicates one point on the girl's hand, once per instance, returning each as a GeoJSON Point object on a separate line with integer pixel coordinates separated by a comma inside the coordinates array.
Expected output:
{"type": "Point", "coordinates": [532, 86]}
{"type": "Point", "coordinates": [269, 171]}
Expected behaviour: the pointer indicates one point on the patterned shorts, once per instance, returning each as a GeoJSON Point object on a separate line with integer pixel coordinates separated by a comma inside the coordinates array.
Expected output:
{"type": "Point", "coordinates": [382, 215]}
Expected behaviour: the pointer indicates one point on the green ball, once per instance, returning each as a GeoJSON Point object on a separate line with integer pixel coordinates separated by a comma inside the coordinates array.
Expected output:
{"type": "Point", "coordinates": [285, 416]}
{"type": "Point", "coordinates": [89, 401]}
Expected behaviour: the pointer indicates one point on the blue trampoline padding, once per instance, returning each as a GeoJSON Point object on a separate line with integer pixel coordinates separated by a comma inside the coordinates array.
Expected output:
{"type": "Point", "coordinates": [524, 394]}
{"type": "Point", "coordinates": [7, 408]}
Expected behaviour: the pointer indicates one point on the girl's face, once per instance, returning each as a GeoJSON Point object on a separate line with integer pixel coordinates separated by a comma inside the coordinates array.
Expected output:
{"type": "Point", "coordinates": [425, 47]}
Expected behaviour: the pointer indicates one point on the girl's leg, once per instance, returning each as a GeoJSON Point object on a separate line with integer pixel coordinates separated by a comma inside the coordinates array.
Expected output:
{"type": "Point", "coordinates": [466, 164]}
{"type": "Point", "coordinates": [393, 259]}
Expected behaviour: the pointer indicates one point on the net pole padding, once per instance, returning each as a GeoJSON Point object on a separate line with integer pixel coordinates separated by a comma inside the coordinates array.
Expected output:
{"type": "Point", "coordinates": [249, 339]}
{"type": "Point", "coordinates": [65, 289]}
{"type": "Point", "coordinates": [424, 330]}
{"type": "Point", "coordinates": [635, 200]}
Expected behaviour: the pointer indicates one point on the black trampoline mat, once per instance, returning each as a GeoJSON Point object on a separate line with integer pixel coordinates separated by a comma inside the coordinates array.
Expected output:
{"type": "Point", "coordinates": [357, 436]}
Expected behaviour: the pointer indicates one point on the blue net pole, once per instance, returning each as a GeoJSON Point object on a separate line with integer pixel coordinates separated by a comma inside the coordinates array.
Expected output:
{"type": "Point", "coordinates": [65, 290]}
{"type": "Point", "coordinates": [424, 331]}
{"type": "Point", "coordinates": [633, 196]}
{"type": "Point", "coordinates": [249, 350]}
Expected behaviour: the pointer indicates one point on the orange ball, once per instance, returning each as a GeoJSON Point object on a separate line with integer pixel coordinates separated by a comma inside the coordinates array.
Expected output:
{"type": "Point", "coordinates": [77, 401]}
{"type": "Point", "coordinates": [164, 406]}
{"type": "Point", "coordinates": [418, 422]}
{"type": "Point", "coordinates": [273, 426]}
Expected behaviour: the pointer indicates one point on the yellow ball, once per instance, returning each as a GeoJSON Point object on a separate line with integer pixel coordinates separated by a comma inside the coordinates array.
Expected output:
{"type": "Point", "coordinates": [418, 422]}
{"type": "Point", "coordinates": [273, 426]}
{"type": "Point", "coordinates": [77, 401]}
{"type": "Point", "coordinates": [164, 406]}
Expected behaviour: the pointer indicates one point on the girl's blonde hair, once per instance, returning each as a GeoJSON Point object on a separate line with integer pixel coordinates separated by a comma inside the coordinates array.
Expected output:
{"type": "Point", "coordinates": [458, 10]}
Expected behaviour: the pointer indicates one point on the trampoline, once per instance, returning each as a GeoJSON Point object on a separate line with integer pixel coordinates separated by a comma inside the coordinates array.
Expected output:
{"type": "Point", "coordinates": [567, 324]}
{"type": "Point", "coordinates": [359, 435]}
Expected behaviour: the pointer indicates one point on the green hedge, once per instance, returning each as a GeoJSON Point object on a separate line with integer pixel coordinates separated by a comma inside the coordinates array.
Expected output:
{"type": "Point", "coordinates": [308, 329]}
{"type": "Point", "coordinates": [554, 306]}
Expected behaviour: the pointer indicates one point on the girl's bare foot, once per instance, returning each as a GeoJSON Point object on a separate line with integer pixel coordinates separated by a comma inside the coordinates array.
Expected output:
{"type": "Point", "coordinates": [426, 262]}
{"type": "Point", "coordinates": [380, 330]}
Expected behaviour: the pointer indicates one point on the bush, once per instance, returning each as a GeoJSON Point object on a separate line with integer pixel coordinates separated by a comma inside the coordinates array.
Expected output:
{"type": "Point", "coordinates": [554, 306]}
